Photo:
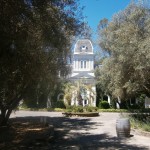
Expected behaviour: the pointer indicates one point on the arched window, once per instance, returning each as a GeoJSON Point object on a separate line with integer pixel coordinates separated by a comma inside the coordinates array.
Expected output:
{"type": "Point", "coordinates": [83, 48]}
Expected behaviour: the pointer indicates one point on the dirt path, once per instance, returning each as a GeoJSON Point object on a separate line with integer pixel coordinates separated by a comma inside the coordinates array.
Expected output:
{"type": "Point", "coordinates": [88, 133]}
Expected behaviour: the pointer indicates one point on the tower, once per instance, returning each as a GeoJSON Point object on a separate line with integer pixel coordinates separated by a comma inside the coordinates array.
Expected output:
{"type": "Point", "coordinates": [83, 67]}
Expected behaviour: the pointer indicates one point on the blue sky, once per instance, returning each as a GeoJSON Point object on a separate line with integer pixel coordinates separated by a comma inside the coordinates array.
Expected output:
{"type": "Point", "coordinates": [95, 10]}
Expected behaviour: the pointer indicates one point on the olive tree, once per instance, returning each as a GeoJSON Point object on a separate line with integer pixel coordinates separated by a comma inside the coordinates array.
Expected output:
{"type": "Point", "coordinates": [34, 47]}
{"type": "Point", "coordinates": [126, 38]}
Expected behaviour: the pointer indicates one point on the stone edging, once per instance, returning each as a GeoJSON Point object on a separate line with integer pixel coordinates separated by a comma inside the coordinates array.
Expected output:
{"type": "Point", "coordinates": [89, 114]}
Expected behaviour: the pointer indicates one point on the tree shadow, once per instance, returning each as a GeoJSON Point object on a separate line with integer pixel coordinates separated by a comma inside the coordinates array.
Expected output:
{"type": "Point", "coordinates": [71, 134]}
{"type": "Point", "coordinates": [94, 142]}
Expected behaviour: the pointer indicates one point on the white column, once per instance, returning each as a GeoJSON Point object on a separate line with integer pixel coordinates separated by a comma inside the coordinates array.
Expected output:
{"type": "Point", "coordinates": [87, 63]}
{"type": "Point", "coordinates": [83, 103]}
{"type": "Point", "coordinates": [108, 99]}
{"type": "Point", "coordinates": [74, 64]}
{"type": "Point", "coordinates": [92, 64]}
{"type": "Point", "coordinates": [119, 102]}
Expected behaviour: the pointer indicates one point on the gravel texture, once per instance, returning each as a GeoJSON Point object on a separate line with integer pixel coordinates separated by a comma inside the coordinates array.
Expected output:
{"type": "Point", "coordinates": [87, 133]}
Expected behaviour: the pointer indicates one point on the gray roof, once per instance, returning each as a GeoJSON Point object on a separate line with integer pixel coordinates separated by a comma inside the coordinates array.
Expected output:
{"type": "Point", "coordinates": [82, 75]}
{"type": "Point", "coordinates": [83, 43]}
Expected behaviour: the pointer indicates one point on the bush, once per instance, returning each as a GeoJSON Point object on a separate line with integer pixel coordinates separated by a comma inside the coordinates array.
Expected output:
{"type": "Point", "coordinates": [114, 110]}
{"type": "Point", "coordinates": [29, 103]}
{"type": "Point", "coordinates": [60, 104]}
{"type": "Point", "coordinates": [78, 109]}
{"type": "Point", "coordinates": [58, 109]}
{"type": "Point", "coordinates": [141, 121]}
{"type": "Point", "coordinates": [134, 106]}
{"type": "Point", "coordinates": [104, 105]}
{"type": "Point", "coordinates": [90, 109]}
{"type": "Point", "coordinates": [81, 109]}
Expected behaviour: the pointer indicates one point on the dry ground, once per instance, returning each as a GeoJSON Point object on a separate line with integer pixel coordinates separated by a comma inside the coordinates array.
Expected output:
{"type": "Point", "coordinates": [74, 133]}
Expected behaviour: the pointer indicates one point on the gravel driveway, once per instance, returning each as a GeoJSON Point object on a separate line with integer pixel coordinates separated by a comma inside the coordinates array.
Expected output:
{"type": "Point", "coordinates": [90, 133]}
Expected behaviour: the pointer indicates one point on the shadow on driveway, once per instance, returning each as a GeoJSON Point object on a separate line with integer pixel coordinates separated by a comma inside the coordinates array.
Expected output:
{"type": "Point", "coordinates": [69, 135]}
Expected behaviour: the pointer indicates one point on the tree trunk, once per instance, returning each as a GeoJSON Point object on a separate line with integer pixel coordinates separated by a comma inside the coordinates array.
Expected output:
{"type": "Point", "coordinates": [5, 114]}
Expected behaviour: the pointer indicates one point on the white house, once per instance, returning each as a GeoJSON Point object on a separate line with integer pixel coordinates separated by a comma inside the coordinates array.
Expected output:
{"type": "Point", "coordinates": [83, 69]}
{"type": "Point", "coordinates": [147, 102]}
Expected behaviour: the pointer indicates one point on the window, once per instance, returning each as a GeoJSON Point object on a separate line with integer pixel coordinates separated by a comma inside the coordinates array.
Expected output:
{"type": "Point", "coordinates": [81, 64]}
{"type": "Point", "coordinates": [85, 102]}
{"type": "Point", "coordinates": [83, 48]}
{"type": "Point", "coordinates": [84, 64]}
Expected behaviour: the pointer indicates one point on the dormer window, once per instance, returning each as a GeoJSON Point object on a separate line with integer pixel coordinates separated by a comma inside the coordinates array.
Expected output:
{"type": "Point", "coordinates": [83, 48]}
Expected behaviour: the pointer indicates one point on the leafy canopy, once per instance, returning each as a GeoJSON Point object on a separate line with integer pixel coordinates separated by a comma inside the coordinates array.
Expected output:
{"type": "Point", "coordinates": [126, 38]}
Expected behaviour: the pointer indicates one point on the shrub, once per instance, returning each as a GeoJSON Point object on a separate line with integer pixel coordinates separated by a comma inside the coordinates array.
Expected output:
{"type": "Point", "coordinates": [113, 110]}
{"type": "Point", "coordinates": [50, 109]}
{"type": "Point", "coordinates": [134, 106]}
{"type": "Point", "coordinates": [29, 103]}
{"type": "Point", "coordinates": [78, 109]}
{"type": "Point", "coordinates": [90, 109]}
{"type": "Point", "coordinates": [141, 121]}
{"type": "Point", "coordinates": [81, 109]}
{"type": "Point", "coordinates": [113, 104]}
{"type": "Point", "coordinates": [60, 104]}
{"type": "Point", "coordinates": [104, 105]}
{"type": "Point", "coordinates": [58, 109]}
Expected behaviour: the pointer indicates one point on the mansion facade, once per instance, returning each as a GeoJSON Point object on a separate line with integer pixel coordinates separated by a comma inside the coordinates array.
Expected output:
{"type": "Point", "coordinates": [83, 71]}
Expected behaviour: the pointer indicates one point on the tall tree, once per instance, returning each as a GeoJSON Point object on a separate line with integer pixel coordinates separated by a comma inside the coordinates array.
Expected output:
{"type": "Point", "coordinates": [126, 39]}
{"type": "Point", "coordinates": [34, 46]}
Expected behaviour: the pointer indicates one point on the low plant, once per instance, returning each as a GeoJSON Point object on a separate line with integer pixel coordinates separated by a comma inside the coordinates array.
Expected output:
{"type": "Point", "coordinates": [90, 109]}
{"type": "Point", "coordinates": [60, 104]}
{"type": "Point", "coordinates": [81, 109]}
{"type": "Point", "coordinates": [58, 109]}
{"type": "Point", "coordinates": [78, 109]}
{"type": "Point", "coordinates": [50, 109]}
{"type": "Point", "coordinates": [113, 110]}
{"type": "Point", "coordinates": [140, 121]}
{"type": "Point", "coordinates": [104, 105]}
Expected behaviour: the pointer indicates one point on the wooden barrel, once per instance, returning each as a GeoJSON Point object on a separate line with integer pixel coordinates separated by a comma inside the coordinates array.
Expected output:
{"type": "Point", "coordinates": [123, 127]}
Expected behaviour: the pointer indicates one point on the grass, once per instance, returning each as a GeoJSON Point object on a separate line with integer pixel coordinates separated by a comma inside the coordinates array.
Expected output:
{"type": "Point", "coordinates": [70, 109]}
{"type": "Point", "coordinates": [113, 110]}
{"type": "Point", "coordinates": [42, 109]}
{"type": "Point", "coordinates": [140, 121]}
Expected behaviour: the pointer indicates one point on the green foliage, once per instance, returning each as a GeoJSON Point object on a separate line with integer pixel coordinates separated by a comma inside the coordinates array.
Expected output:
{"type": "Point", "coordinates": [147, 110]}
{"type": "Point", "coordinates": [68, 97]}
{"type": "Point", "coordinates": [113, 104]}
{"type": "Point", "coordinates": [58, 109]}
{"type": "Point", "coordinates": [104, 105]}
{"type": "Point", "coordinates": [74, 109]}
{"type": "Point", "coordinates": [114, 110]}
{"type": "Point", "coordinates": [140, 121]}
{"type": "Point", "coordinates": [81, 109]}
{"type": "Point", "coordinates": [69, 108]}
{"type": "Point", "coordinates": [134, 106]}
{"type": "Point", "coordinates": [126, 40]}
{"type": "Point", "coordinates": [29, 103]}
{"type": "Point", "coordinates": [90, 109]}
{"type": "Point", "coordinates": [60, 104]}
{"type": "Point", "coordinates": [34, 47]}
{"type": "Point", "coordinates": [77, 109]}
{"type": "Point", "coordinates": [76, 89]}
